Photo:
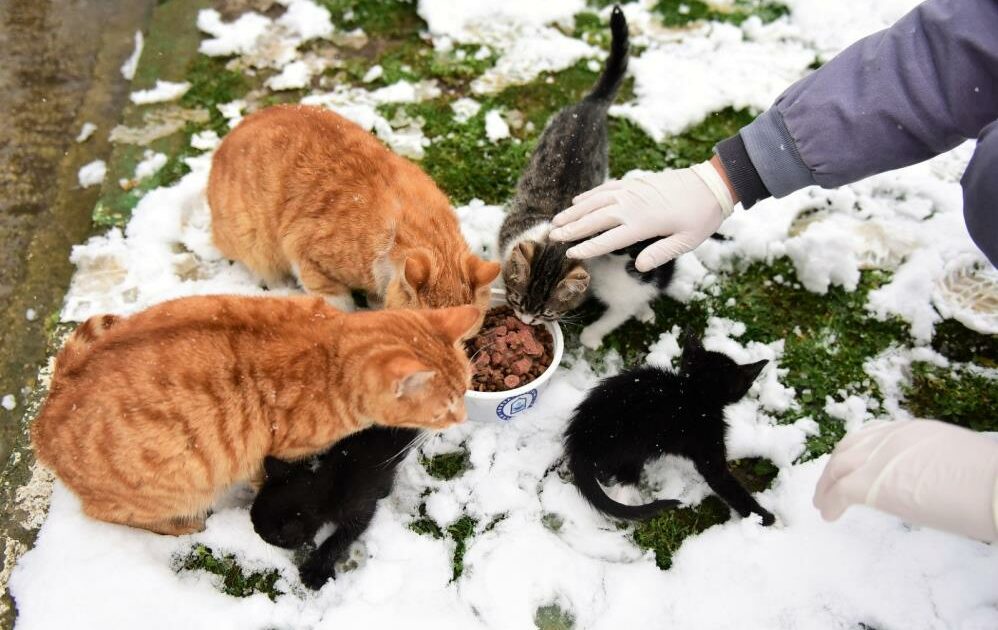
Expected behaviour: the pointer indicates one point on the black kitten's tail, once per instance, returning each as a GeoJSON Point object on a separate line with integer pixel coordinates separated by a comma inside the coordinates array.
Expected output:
{"type": "Point", "coordinates": [616, 63]}
{"type": "Point", "coordinates": [585, 481]}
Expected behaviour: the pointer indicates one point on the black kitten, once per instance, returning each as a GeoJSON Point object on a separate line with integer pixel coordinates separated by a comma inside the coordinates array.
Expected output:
{"type": "Point", "coordinates": [341, 486]}
{"type": "Point", "coordinates": [647, 412]}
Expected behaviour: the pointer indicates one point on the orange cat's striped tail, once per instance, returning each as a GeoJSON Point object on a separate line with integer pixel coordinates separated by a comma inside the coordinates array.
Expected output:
{"type": "Point", "coordinates": [76, 349]}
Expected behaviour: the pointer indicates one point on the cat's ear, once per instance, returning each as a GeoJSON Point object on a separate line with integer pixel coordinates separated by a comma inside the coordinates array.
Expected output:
{"type": "Point", "coordinates": [454, 323]}
{"type": "Point", "coordinates": [417, 269]}
{"type": "Point", "coordinates": [407, 375]}
{"type": "Point", "coordinates": [573, 285]}
{"type": "Point", "coordinates": [481, 272]}
{"type": "Point", "coordinates": [692, 350]}
{"type": "Point", "coordinates": [517, 268]}
{"type": "Point", "coordinates": [746, 376]}
{"type": "Point", "coordinates": [276, 468]}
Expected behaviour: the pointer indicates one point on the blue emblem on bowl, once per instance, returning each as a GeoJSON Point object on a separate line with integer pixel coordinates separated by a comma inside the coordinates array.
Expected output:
{"type": "Point", "coordinates": [516, 404]}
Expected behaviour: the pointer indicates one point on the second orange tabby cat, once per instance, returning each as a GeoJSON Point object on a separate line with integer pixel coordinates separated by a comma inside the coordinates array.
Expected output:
{"type": "Point", "coordinates": [301, 190]}
{"type": "Point", "coordinates": [149, 417]}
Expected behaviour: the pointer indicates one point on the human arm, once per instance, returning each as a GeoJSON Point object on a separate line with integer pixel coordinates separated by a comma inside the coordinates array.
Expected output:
{"type": "Point", "coordinates": [894, 98]}
{"type": "Point", "coordinates": [925, 471]}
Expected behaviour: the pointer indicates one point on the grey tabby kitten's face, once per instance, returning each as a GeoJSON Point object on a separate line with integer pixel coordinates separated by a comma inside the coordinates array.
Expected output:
{"type": "Point", "coordinates": [542, 284]}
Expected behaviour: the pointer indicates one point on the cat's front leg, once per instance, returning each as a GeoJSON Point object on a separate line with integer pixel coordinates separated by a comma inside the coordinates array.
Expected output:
{"type": "Point", "coordinates": [313, 279]}
{"type": "Point", "coordinates": [321, 564]}
{"type": "Point", "coordinates": [714, 469]}
{"type": "Point", "coordinates": [592, 335]}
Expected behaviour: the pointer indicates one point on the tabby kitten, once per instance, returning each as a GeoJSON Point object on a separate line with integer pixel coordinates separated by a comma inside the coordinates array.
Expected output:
{"type": "Point", "coordinates": [150, 416]}
{"type": "Point", "coordinates": [571, 157]}
{"type": "Point", "coordinates": [647, 412]}
{"type": "Point", "coordinates": [301, 190]}
{"type": "Point", "coordinates": [341, 486]}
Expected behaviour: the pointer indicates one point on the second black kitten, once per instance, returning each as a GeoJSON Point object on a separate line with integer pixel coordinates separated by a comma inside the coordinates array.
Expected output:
{"type": "Point", "coordinates": [341, 486]}
{"type": "Point", "coordinates": [647, 412]}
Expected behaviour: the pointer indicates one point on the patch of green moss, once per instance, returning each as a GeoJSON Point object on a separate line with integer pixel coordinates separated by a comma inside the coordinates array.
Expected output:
{"type": "Point", "coordinates": [212, 83]}
{"type": "Point", "coordinates": [426, 527]}
{"type": "Point", "coordinates": [461, 530]}
{"type": "Point", "coordinates": [676, 13]}
{"type": "Point", "coordinates": [955, 395]}
{"type": "Point", "coordinates": [665, 533]}
{"type": "Point", "coordinates": [959, 343]}
{"type": "Point", "coordinates": [235, 581]}
{"type": "Point", "coordinates": [632, 148]}
{"type": "Point", "coordinates": [446, 466]}
{"type": "Point", "coordinates": [553, 617]}
{"type": "Point", "coordinates": [378, 18]}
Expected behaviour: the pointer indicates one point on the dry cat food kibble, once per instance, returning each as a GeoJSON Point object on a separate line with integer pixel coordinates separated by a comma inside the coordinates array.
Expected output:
{"type": "Point", "coordinates": [507, 353]}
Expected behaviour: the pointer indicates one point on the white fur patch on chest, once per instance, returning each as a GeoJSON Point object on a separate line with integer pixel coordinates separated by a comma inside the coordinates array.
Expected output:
{"type": "Point", "coordinates": [613, 285]}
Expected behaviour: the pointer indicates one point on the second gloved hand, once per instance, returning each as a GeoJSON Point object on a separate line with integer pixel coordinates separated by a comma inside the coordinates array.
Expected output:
{"type": "Point", "coordinates": [685, 206]}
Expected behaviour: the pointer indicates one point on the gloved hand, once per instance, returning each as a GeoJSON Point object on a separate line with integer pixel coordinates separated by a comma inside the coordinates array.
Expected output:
{"type": "Point", "coordinates": [924, 471]}
{"type": "Point", "coordinates": [686, 206]}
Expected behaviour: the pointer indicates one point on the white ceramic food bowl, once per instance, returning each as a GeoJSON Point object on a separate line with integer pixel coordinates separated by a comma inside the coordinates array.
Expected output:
{"type": "Point", "coordinates": [504, 406]}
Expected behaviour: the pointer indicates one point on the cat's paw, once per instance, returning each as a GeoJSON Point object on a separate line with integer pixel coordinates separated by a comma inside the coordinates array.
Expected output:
{"type": "Point", "coordinates": [315, 574]}
{"type": "Point", "coordinates": [646, 315]}
{"type": "Point", "coordinates": [590, 338]}
{"type": "Point", "coordinates": [767, 518]}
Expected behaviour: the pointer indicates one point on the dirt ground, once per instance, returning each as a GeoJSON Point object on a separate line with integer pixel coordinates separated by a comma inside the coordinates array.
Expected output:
{"type": "Point", "coordinates": [61, 68]}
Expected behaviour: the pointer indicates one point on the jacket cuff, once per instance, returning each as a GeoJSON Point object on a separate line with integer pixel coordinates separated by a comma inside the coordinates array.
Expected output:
{"type": "Point", "coordinates": [741, 173]}
{"type": "Point", "coordinates": [774, 155]}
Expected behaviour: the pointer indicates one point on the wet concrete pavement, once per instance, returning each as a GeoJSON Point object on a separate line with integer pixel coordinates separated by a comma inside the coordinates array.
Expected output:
{"type": "Point", "coordinates": [59, 67]}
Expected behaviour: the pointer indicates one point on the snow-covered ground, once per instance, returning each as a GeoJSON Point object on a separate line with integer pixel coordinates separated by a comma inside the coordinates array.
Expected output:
{"type": "Point", "coordinates": [866, 568]}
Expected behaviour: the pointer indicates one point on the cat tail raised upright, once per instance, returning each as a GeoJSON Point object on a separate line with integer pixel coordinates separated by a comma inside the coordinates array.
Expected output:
{"type": "Point", "coordinates": [585, 481]}
{"type": "Point", "coordinates": [616, 64]}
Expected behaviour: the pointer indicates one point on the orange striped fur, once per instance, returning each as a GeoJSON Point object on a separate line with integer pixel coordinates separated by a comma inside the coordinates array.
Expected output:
{"type": "Point", "coordinates": [301, 190]}
{"type": "Point", "coordinates": [151, 416]}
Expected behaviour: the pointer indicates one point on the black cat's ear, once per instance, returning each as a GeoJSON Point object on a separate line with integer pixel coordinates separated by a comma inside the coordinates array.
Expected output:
{"type": "Point", "coordinates": [746, 376]}
{"type": "Point", "coordinates": [276, 468]}
{"type": "Point", "coordinates": [692, 349]}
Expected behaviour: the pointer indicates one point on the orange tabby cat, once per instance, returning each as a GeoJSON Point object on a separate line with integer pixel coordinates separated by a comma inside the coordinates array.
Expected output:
{"type": "Point", "coordinates": [150, 416]}
{"type": "Point", "coordinates": [302, 190]}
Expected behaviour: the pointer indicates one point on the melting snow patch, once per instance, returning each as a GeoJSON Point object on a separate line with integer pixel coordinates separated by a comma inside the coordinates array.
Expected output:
{"type": "Point", "coordinates": [128, 68]}
{"type": "Point", "coordinates": [163, 92]}
{"type": "Point", "coordinates": [495, 127]}
{"type": "Point", "coordinates": [92, 174]}
{"type": "Point", "coordinates": [86, 131]}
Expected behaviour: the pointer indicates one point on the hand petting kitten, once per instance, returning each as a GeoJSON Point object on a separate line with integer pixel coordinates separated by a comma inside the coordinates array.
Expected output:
{"type": "Point", "coordinates": [685, 206]}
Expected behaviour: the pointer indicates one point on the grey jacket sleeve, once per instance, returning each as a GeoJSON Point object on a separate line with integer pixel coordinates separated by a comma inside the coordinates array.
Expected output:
{"type": "Point", "coordinates": [894, 98]}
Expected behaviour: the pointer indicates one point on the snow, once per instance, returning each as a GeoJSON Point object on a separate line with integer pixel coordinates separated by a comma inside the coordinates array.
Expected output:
{"type": "Point", "coordinates": [86, 131]}
{"type": "Point", "coordinates": [128, 68]}
{"type": "Point", "coordinates": [8, 402]}
{"type": "Point", "coordinates": [151, 162]}
{"type": "Point", "coordinates": [465, 108]}
{"type": "Point", "coordinates": [866, 568]}
{"type": "Point", "coordinates": [373, 74]}
{"type": "Point", "coordinates": [92, 173]}
{"type": "Point", "coordinates": [496, 128]}
{"type": "Point", "coordinates": [164, 91]}
{"type": "Point", "coordinates": [294, 76]}
{"type": "Point", "coordinates": [233, 38]}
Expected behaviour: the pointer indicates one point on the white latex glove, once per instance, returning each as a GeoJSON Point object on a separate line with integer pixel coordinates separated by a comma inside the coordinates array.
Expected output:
{"type": "Point", "coordinates": [924, 471]}
{"type": "Point", "coordinates": [686, 206]}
